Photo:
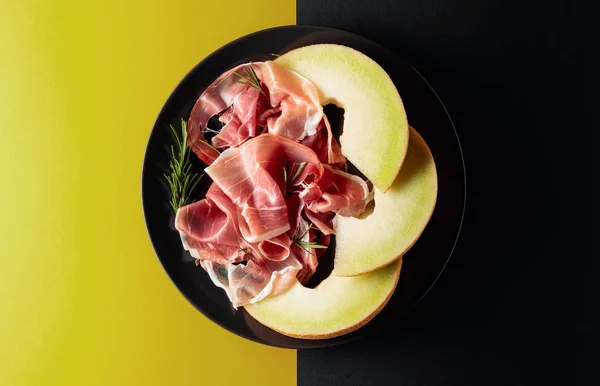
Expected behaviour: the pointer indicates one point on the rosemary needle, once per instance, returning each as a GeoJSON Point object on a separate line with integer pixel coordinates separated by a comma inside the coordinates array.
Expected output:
{"type": "Point", "coordinates": [250, 79]}
{"type": "Point", "coordinates": [305, 245]}
{"type": "Point", "coordinates": [299, 171]}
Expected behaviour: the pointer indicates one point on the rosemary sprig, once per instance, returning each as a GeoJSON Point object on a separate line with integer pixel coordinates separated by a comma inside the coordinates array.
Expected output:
{"type": "Point", "coordinates": [181, 180]}
{"type": "Point", "coordinates": [300, 237]}
{"type": "Point", "coordinates": [296, 170]}
{"type": "Point", "coordinates": [250, 79]}
{"type": "Point", "coordinates": [305, 245]}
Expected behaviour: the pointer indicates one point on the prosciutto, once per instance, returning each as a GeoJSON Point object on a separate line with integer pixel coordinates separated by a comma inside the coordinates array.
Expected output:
{"type": "Point", "coordinates": [277, 182]}
{"type": "Point", "coordinates": [286, 104]}
{"type": "Point", "coordinates": [253, 176]}
{"type": "Point", "coordinates": [297, 99]}
{"type": "Point", "coordinates": [271, 197]}
{"type": "Point", "coordinates": [247, 271]}
{"type": "Point", "coordinates": [250, 283]}
{"type": "Point", "coordinates": [210, 230]}
{"type": "Point", "coordinates": [339, 191]}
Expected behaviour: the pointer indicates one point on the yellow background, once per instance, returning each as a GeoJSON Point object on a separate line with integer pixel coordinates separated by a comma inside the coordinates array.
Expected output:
{"type": "Point", "coordinates": [83, 299]}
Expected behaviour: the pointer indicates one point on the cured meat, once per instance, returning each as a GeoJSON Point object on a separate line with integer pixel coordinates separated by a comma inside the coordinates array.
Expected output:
{"type": "Point", "coordinates": [209, 230]}
{"type": "Point", "coordinates": [276, 184]}
{"type": "Point", "coordinates": [270, 199]}
{"type": "Point", "coordinates": [240, 121]}
{"type": "Point", "coordinates": [253, 177]}
{"type": "Point", "coordinates": [325, 145]}
{"type": "Point", "coordinates": [247, 271]}
{"type": "Point", "coordinates": [204, 225]}
{"type": "Point", "coordinates": [276, 248]}
{"type": "Point", "coordinates": [253, 281]}
{"type": "Point", "coordinates": [322, 221]}
{"type": "Point", "coordinates": [334, 151]}
{"type": "Point", "coordinates": [217, 98]}
{"type": "Point", "coordinates": [336, 191]}
{"type": "Point", "coordinates": [286, 104]}
{"type": "Point", "coordinates": [298, 100]}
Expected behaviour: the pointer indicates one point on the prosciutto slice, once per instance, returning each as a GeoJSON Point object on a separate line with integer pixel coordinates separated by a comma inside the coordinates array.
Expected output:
{"type": "Point", "coordinates": [286, 104]}
{"type": "Point", "coordinates": [240, 121]}
{"type": "Point", "coordinates": [209, 231]}
{"type": "Point", "coordinates": [217, 98]}
{"type": "Point", "coordinates": [297, 99]}
{"type": "Point", "coordinates": [253, 177]}
{"type": "Point", "coordinates": [341, 192]}
{"type": "Point", "coordinates": [322, 221]}
{"type": "Point", "coordinates": [252, 282]}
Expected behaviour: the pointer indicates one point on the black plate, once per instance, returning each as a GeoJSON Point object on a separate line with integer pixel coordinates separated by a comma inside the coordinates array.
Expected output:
{"type": "Point", "coordinates": [422, 264]}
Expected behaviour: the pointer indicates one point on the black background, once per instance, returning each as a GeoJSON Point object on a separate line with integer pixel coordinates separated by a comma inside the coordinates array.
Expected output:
{"type": "Point", "coordinates": [507, 310]}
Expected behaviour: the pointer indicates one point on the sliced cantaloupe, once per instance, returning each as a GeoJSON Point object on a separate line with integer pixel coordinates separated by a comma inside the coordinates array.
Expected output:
{"type": "Point", "coordinates": [399, 217]}
{"type": "Point", "coordinates": [375, 133]}
{"type": "Point", "coordinates": [335, 307]}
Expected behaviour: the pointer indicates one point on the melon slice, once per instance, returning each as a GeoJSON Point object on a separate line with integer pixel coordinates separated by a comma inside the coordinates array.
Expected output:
{"type": "Point", "coordinates": [399, 217]}
{"type": "Point", "coordinates": [335, 307]}
{"type": "Point", "coordinates": [375, 133]}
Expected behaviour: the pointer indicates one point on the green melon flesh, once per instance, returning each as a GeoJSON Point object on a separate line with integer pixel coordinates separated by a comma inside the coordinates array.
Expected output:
{"type": "Point", "coordinates": [337, 306]}
{"type": "Point", "coordinates": [399, 217]}
{"type": "Point", "coordinates": [375, 133]}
